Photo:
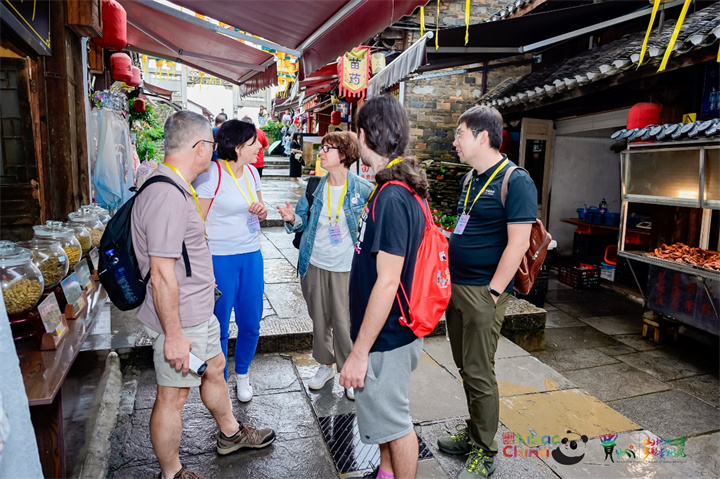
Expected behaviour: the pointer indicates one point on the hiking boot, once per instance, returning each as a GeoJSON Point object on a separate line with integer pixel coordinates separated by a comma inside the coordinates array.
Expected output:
{"type": "Point", "coordinates": [246, 438]}
{"type": "Point", "coordinates": [458, 443]}
{"type": "Point", "coordinates": [184, 473]}
{"type": "Point", "coordinates": [322, 376]}
{"type": "Point", "coordinates": [244, 388]}
{"type": "Point", "coordinates": [479, 465]}
{"type": "Point", "coordinates": [350, 394]}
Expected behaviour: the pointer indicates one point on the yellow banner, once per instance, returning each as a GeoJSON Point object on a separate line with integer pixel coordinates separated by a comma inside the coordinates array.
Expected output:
{"type": "Point", "coordinates": [355, 72]}
{"type": "Point", "coordinates": [649, 30]}
{"type": "Point", "coordinates": [676, 32]}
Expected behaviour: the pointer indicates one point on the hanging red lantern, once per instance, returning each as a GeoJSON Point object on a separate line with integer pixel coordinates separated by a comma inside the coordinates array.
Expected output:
{"type": "Point", "coordinates": [336, 117]}
{"type": "Point", "coordinates": [139, 105]}
{"type": "Point", "coordinates": [114, 26]}
{"type": "Point", "coordinates": [136, 80]}
{"type": "Point", "coordinates": [121, 67]}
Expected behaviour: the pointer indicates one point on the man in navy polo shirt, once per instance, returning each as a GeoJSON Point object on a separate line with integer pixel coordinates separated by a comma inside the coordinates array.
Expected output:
{"type": "Point", "coordinates": [486, 249]}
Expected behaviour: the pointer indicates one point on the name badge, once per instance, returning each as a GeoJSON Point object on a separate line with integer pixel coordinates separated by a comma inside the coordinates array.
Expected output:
{"type": "Point", "coordinates": [461, 224]}
{"type": "Point", "coordinates": [254, 223]}
{"type": "Point", "coordinates": [335, 234]}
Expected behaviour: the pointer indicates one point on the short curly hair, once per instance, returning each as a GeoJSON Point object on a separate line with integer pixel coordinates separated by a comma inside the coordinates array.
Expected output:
{"type": "Point", "coordinates": [347, 144]}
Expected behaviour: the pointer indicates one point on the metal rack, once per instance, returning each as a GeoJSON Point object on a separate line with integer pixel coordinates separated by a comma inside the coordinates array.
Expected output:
{"type": "Point", "coordinates": [685, 174]}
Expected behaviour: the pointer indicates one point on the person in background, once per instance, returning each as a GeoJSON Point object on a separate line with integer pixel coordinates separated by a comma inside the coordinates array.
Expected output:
{"type": "Point", "coordinates": [231, 203]}
{"type": "Point", "coordinates": [329, 230]}
{"type": "Point", "coordinates": [486, 249]}
{"type": "Point", "coordinates": [262, 117]}
{"type": "Point", "coordinates": [219, 120]}
{"type": "Point", "coordinates": [295, 165]}
{"type": "Point", "coordinates": [389, 235]}
{"type": "Point", "coordinates": [286, 118]}
{"type": "Point", "coordinates": [177, 310]}
{"type": "Point", "coordinates": [263, 145]}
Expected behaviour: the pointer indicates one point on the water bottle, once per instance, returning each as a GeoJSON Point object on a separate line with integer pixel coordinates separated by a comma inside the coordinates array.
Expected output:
{"type": "Point", "coordinates": [603, 207]}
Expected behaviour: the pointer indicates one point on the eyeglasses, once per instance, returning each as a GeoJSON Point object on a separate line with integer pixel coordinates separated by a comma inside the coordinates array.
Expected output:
{"type": "Point", "coordinates": [214, 144]}
{"type": "Point", "coordinates": [327, 148]}
{"type": "Point", "coordinates": [459, 132]}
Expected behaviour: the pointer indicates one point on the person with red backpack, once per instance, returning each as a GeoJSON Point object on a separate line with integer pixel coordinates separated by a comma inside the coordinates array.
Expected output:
{"type": "Point", "coordinates": [386, 351]}
{"type": "Point", "coordinates": [487, 246]}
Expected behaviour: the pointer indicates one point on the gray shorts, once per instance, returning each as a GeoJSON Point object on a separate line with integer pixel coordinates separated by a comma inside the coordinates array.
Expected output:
{"type": "Point", "coordinates": [205, 339]}
{"type": "Point", "coordinates": [383, 407]}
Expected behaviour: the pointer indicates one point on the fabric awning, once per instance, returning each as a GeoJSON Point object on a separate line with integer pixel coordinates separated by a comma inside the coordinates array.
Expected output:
{"type": "Point", "coordinates": [505, 38]}
{"type": "Point", "coordinates": [156, 33]}
{"type": "Point", "coordinates": [151, 89]}
{"type": "Point", "coordinates": [406, 63]}
{"type": "Point", "coordinates": [322, 30]}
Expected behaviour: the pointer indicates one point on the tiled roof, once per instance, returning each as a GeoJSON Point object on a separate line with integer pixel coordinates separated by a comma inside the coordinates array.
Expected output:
{"type": "Point", "coordinates": [510, 9]}
{"type": "Point", "coordinates": [699, 30]}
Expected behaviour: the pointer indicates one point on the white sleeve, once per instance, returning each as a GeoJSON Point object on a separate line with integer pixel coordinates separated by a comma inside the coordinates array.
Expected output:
{"type": "Point", "coordinates": [256, 177]}
{"type": "Point", "coordinates": [206, 183]}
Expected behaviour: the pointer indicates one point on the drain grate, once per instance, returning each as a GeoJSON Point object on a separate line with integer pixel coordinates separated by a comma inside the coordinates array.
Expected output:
{"type": "Point", "coordinates": [348, 451]}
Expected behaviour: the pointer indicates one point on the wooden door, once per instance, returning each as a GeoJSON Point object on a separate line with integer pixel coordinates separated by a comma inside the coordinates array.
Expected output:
{"type": "Point", "coordinates": [19, 196]}
{"type": "Point", "coordinates": [536, 141]}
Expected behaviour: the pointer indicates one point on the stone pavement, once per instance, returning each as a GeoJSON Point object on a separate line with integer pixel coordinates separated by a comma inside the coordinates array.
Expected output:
{"type": "Point", "coordinates": [593, 374]}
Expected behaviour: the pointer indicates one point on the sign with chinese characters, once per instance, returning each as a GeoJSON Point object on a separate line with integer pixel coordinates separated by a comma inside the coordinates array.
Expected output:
{"type": "Point", "coordinates": [73, 293]}
{"type": "Point", "coordinates": [354, 73]}
{"type": "Point", "coordinates": [51, 316]}
{"type": "Point", "coordinates": [344, 108]}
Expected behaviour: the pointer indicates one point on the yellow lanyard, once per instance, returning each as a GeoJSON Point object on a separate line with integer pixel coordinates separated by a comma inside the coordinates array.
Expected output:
{"type": "Point", "coordinates": [238, 184]}
{"type": "Point", "coordinates": [390, 165]}
{"type": "Point", "coordinates": [192, 190]}
{"type": "Point", "coordinates": [342, 197]}
{"type": "Point", "coordinates": [492, 177]}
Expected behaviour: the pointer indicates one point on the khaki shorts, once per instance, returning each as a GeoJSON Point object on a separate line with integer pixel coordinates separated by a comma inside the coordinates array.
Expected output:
{"type": "Point", "coordinates": [205, 339]}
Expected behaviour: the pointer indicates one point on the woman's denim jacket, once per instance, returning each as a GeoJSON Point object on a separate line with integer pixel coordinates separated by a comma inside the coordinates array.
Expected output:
{"type": "Point", "coordinates": [358, 191]}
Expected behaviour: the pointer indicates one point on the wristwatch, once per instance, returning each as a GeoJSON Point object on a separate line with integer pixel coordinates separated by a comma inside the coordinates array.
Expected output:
{"type": "Point", "coordinates": [493, 292]}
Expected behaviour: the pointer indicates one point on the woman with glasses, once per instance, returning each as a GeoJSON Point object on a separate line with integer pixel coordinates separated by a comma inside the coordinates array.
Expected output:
{"type": "Point", "coordinates": [231, 203]}
{"type": "Point", "coordinates": [329, 230]}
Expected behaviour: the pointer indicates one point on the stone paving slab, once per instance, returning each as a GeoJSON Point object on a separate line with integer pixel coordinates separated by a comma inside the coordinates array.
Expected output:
{"type": "Point", "coordinates": [574, 338]}
{"type": "Point", "coordinates": [527, 375]}
{"type": "Point", "coordinates": [621, 324]}
{"type": "Point", "coordinates": [638, 343]}
{"type": "Point", "coordinates": [571, 359]}
{"type": "Point", "coordinates": [287, 300]}
{"type": "Point", "coordinates": [670, 413]}
{"type": "Point", "coordinates": [560, 319]}
{"type": "Point", "coordinates": [615, 351]}
{"type": "Point", "coordinates": [280, 271]}
{"type": "Point", "coordinates": [616, 381]}
{"type": "Point", "coordinates": [555, 412]}
{"type": "Point", "coordinates": [667, 364]}
{"type": "Point", "coordinates": [430, 382]}
{"type": "Point", "coordinates": [595, 463]}
{"type": "Point", "coordinates": [328, 401]}
{"type": "Point", "coordinates": [705, 387]}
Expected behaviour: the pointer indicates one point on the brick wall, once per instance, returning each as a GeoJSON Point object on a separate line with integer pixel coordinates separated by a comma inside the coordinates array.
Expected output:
{"type": "Point", "coordinates": [435, 104]}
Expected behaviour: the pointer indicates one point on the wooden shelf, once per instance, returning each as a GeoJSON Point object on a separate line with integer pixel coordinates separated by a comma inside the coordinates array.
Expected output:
{"type": "Point", "coordinates": [579, 222]}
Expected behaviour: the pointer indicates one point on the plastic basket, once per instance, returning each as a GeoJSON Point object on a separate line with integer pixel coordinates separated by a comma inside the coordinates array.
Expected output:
{"type": "Point", "coordinates": [579, 278]}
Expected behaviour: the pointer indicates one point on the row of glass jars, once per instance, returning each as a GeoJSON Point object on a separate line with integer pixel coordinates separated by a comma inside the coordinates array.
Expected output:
{"type": "Point", "coordinates": [28, 267]}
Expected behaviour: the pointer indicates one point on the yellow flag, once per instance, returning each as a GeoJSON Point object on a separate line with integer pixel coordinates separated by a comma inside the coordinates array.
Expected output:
{"type": "Point", "coordinates": [467, 21]}
{"type": "Point", "coordinates": [647, 35]}
{"type": "Point", "coordinates": [422, 21]}
{"type": "Point", "coordinates": [437, 23]}
{"type": "Point", "coordinates": [676, 32]}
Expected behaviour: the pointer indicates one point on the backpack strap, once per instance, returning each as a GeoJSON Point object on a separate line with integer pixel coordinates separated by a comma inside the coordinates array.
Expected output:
{"type": "Point", "coordinates": [422, 202]}
{"type": "Point", "coordinates": [165, 179]}
{"type": "Point", "coordinates": [217, 162]}
{"type": "Point", "coordinates": [506, 181]}
{"type": "Point", "coordinates": [466, 179]}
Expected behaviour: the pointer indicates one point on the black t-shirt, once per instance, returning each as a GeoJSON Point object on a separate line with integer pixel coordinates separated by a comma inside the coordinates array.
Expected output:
{"type": "Point", "coordinates": [474, 256]}
{"type": "Point", "coordinates": [398, 230]}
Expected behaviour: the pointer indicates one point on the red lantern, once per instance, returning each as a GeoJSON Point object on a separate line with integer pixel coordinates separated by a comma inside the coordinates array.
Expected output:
{"type": "Point", "coordinates": [121, 67]}
{"type": "Point", "coordinates": [136, 80]}
{"type": "Point", "coordinates": [336, 117]}
{"type": "Point", "coordinates": [505, 147]}
{"type": "Point", "coordinates": [643, 114]}
{"type": "Point", "coordinates": [139, 105]}
{"type": "Point", "coordinates": [114, 26]}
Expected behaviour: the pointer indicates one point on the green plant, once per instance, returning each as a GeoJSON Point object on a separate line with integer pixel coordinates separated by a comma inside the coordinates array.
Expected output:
{"type": "Point", "coordinates": [148, 116]}
{"type": "Point", "coordinates": [272, 130]}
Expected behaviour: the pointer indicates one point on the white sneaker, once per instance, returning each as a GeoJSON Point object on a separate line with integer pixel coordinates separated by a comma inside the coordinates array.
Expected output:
{"type": "Point", "coordinates": [244, 388]}
{"type": "Point", "coordinates": [350, 394]}
{"type": "Point", "coordinates": [322, 376]}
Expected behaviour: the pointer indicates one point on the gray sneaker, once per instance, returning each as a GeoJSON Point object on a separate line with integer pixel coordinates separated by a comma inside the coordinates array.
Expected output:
{"type": "Point", "coordinates": [248, 437]}
{"type": "Point", "coordinates": [458, 443]}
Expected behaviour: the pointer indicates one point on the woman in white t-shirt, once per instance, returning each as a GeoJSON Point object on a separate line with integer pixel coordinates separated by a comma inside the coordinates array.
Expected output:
{"type": "Point", "coordinates": [329, 232]}
{"type": "Point", "coordinates": [231, 203]}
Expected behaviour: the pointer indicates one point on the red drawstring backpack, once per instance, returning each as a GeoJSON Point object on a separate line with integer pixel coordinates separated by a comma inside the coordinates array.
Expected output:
{"type": "Point", "coordinates": [430, 292]}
